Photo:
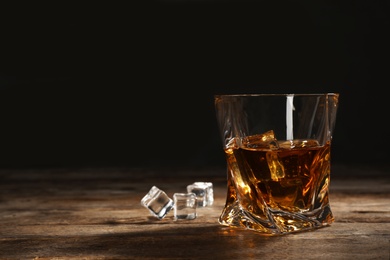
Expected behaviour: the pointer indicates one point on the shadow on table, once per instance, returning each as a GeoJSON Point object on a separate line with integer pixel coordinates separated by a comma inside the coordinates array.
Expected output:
{"type": "Point", "coordinates": [184, 241]}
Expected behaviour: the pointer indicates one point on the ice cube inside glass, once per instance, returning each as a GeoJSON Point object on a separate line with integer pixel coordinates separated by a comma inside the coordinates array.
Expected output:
{"type": "Point", "coordinates": [157, 202]}
{"type": "Point", "coordinates": [185, 205]}
{"type": "Point", "coordinates": [204, 193]}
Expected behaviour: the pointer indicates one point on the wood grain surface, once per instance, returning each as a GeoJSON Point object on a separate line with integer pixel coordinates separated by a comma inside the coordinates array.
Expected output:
{"type": "Point", "coordinates": [95, 213]}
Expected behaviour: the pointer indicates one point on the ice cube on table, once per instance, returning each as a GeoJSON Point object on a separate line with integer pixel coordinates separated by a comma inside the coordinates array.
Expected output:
{"type": "Point", "coordinates": [157, 202]}
{"type": "Point", "coordinates": [185, 205]}
{"type": "Point", "coordinates": [204, 193]}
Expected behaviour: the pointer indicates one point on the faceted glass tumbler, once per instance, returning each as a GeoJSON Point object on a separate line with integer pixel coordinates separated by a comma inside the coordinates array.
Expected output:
{"type": "Point", "coordinates": [157, 202]}
{"type": "Point", "coordinates": [277, 149]}
{"type": "Point", "coordinates": [184, 206]}
{"type": "Point", "coordinates": [204, 193]}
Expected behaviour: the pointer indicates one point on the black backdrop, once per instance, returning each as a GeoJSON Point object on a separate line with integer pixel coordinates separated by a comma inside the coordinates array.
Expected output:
{"type": "Point", "coordinates": [133, 85]}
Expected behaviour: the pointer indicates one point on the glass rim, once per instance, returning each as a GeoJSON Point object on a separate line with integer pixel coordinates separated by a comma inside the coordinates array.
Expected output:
{"type": "Point", "coordinates": [276, 94]}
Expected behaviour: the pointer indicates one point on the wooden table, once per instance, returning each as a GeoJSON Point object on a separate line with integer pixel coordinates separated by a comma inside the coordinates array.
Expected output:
{"type": "Point", "coordinates": [95, 213]}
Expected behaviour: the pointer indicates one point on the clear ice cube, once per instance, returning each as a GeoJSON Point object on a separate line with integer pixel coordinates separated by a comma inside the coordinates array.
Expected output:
{"type": "Point", "coordinates": [298, 143]}
{"type": "Point", "coordinates": [275, 165]}
{"type": "Point", "coordinates": [204, 193]}
{"type": "Point", "coordinates": [266, 140]}
{"type": "Point", "coordinates": [184, 206]}
{"type": "Point", "coordinates": [157, 202]}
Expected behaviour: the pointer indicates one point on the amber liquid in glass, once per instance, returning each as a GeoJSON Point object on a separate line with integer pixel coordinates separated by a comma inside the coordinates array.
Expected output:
{"type": "Point", "coordinates": [280, 177]}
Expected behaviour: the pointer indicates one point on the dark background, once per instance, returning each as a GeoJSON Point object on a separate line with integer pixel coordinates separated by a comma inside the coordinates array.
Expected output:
{"type": "Point", "coordinates": [133, 85]}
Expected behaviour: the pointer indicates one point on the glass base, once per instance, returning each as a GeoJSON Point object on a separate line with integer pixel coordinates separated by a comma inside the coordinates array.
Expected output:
{"type": "Point", "coordinates": [275, 222]}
